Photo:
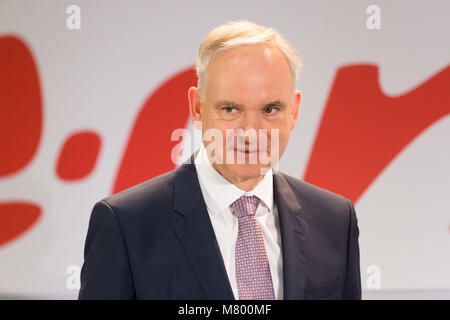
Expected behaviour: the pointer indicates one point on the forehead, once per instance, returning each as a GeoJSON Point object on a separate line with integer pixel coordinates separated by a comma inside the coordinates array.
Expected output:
{"type": "Point", "coordinates": [249, 70]}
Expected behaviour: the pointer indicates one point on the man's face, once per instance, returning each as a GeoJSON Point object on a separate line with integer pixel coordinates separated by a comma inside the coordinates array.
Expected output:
{"type": "Point", "coordinates": [248, 87]}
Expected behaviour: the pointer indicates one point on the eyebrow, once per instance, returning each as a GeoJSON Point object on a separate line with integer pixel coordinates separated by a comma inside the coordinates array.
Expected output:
{"type": "Point", "coordinates": [228, 103]}
{"type": "Point", "coordinates": [276, 103]}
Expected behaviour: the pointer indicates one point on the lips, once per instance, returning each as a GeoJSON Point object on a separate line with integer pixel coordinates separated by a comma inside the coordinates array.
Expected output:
{"type": "Point", "coordinates": [247, 150]}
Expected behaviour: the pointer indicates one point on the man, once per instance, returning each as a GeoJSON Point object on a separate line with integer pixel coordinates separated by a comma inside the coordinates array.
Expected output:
{"type": "Point", "coordinates": [227, 224]}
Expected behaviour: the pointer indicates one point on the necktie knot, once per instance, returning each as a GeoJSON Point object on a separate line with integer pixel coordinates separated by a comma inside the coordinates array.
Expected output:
{"type": "Point", "coordinates": [245, 206]}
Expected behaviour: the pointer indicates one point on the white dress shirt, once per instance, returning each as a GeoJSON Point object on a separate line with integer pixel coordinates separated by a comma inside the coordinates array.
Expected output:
{"type": "Point", "coordinates": [219, 194]}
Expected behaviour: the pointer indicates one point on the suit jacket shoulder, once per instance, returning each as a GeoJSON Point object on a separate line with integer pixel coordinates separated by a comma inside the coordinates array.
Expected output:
{"type": "Point", "coordinates": [327, 204]}
{"type": "Point", "coordinates": [155, 192]}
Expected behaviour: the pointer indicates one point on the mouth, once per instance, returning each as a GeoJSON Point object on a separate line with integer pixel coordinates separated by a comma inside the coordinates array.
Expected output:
{"type": "Point", "coordinates": [247, 150]}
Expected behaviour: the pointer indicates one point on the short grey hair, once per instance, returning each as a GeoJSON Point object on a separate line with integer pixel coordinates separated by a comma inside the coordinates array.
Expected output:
{"type": "Point", "coordinates": [238, 33]}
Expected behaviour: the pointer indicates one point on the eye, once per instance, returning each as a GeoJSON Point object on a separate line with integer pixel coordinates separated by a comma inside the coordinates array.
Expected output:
{"type": "Point", "coordinates": [271, 110]}
{"type": "Point", "coordinates": [229, 109]}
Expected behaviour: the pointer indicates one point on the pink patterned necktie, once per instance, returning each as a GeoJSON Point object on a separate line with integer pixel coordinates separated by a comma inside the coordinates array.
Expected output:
{"type": "Point", "coordinates": [253, 277]}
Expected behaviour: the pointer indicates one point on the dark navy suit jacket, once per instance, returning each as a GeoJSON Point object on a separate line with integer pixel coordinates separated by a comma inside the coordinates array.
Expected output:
{"type": "Point", "coordinates": [156, 241]}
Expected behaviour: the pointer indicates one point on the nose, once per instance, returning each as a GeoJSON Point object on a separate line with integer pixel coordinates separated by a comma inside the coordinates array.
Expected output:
{"type": "Point", "coordinates": [251, 120]}
{"type": "Point", "coordinates": [250, 124]}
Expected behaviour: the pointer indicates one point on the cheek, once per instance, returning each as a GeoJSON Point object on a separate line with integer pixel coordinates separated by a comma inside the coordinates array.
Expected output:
{"type": "Point", "coordinates": [283, 138]}
{"type": "Point", "coordinates": [285, 134]}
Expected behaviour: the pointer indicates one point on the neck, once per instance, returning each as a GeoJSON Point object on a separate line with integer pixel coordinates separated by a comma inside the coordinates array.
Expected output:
{"type": "Point", "coordinates": [248, 184]}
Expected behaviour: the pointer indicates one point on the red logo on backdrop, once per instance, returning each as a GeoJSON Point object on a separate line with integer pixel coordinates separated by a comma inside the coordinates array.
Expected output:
{"type": "Point", "coordinates": [361, 131]}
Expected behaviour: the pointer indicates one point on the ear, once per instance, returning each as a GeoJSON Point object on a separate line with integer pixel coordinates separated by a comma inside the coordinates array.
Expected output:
{"type": "Point", "coordinates": [295, 108]}
{"type": "Point", "coordinates": [194, 106]}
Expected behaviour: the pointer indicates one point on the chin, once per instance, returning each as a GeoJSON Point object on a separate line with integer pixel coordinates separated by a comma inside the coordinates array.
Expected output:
{"type": "Point", "coordinates": [246, 171]}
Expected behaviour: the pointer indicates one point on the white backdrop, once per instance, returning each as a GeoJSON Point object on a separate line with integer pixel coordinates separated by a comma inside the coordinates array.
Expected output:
{"type": "Point", "coordinates": [98, 78]}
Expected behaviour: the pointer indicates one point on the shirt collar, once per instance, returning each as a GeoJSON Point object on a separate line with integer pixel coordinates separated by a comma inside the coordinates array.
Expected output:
{"type": "Point", "coordinates": [225, 193]}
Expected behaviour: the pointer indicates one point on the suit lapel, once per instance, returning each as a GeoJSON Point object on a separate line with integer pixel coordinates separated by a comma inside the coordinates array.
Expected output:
{"type": "Point", "coordinates": [294, 232]}
{"type": "Point", "coordinates": [193, 227]}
